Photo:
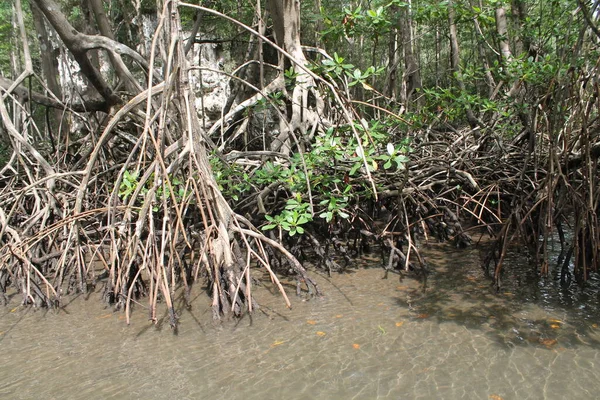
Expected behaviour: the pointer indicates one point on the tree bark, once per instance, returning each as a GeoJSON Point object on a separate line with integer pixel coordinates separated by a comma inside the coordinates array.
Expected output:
{"type": "Point", "coordinates": [412, 74]}
{"type": "Point", "coordinates": [391, 89]}
{"type": "Point", "coordinates": [105, 29]}
{"type": "Point", "coordinates": [523, 42]}
{"type": "Point", "coordinates": [502, 30]}
{"type": "Point", "coordinates": [455, 61]}
{"type": "Point", "coordinates": [49, 61]}
{"type": "Point", "coordinates": [285, 15]}
{"type": "Point", "coordinates": [481, 41]}
{"type": "Point", "coordinates": [79, 44]}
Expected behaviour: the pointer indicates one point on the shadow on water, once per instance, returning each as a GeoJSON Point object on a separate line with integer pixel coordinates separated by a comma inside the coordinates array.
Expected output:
{"type": "Point", "coordinates": [366, 338]}
{"type": "Point", "coordinates": [528, 310]}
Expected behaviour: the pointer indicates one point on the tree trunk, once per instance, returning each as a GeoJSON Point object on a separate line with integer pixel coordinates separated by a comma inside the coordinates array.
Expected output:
{"type": "Point", "coordinates": [412, 74]}
{"type": "Point", "coordinates": [49, 61]}
{"type": "Point", "coordinates": [319, 24]}
{"type": "Point", "coordinates": [285, 15]}
{"type": "Point", "coordinates": [437, 55]}
{"type": "Point", "coordinates": [502, 30]}
{"type": "Point", "coordinates": [489, 78]}
{"type": "Point", "coordinates": [455, 61]}
{"type": "Point", "coordinates": [454, 49]}
{"type": "Point", "coordinates": [49, 69]}
{"type": "Point", "coordinates": [79, 44]}
{"type": "Point", "coordinates": [522, 37]}
{"type": "Point", "coordinates": [390, 88]}
{"type": "Point", "coordinates": [105, 29]}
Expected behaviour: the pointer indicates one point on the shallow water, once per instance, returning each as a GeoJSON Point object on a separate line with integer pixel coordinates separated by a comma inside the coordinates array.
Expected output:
{"type": "Point", "coordinates": [367, 338]}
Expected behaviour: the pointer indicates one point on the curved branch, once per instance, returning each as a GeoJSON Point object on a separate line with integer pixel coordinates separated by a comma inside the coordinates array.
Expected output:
{"type": "Point", "coordinates": [26, 95]}
{"type": "Point", "coordinates": [588, 18]}
{"type": "Point", "coordinates": [79, 44]}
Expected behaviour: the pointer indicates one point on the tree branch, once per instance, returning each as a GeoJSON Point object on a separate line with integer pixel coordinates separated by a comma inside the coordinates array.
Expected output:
{"type": "Point", "coordinates": [79, 44]}
{"type": "Point", "coordinates": [24, 94]}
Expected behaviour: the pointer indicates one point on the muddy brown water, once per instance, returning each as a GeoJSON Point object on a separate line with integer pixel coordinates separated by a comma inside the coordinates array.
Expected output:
{"type": "Point", "coordinates": [367, 338]}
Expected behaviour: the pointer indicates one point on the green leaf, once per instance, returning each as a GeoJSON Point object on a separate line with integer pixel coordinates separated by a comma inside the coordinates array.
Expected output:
{"type": "Point", "coordinates": [328, 216]}
{"type": "Point", "coordinates": [401, 159]}
{"type": "Point", "coordinates": [354, 168]}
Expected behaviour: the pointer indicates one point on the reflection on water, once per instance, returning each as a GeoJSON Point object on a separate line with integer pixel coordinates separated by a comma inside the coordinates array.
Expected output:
{"type": "Point", "coordinates": [368, 338]}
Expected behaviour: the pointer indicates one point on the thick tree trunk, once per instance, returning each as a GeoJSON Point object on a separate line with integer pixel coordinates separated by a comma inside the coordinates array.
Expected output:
{"type": "Point", "coordinates": [523, 37]}
{"type": "Point", "coordinates": [319, 28]}
{"type": "Point", "coordinates": [79, 44]}
{"type": "Point", "coordinates": [454, 49]}
{"type": "Point", "coordinates": [49, 68]}
{"type": "Point", "coordinates": [286, 25]}
{"type": "Point", "coordinates": [285, 15]}
{"type": "Point", "coordinates": [437, 56]}
{"type": "Point", "coordinates": [502, 30]}
{"type": "Point", "coordinates": [49, 61]}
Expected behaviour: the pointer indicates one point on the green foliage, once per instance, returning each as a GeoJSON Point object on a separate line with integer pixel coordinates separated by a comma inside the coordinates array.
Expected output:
{"type": "Point", "coordinates": [333, 159]}
{"type": "Point", "coordinates": [276, 99]}
{"type": "Point", "coordinates": [232, 180]}
{"type": "Point", "coordinates": [294, 215]}
{"type": "Point", "coordinates": [130, 183]}
{"type": "Point", "coordinates": [431, 12]}
{"type": "Point", "coordinates": [451, 104]}
{"type": "Point", "coordinates": [5, 153]}
{"type": "Point", "coordinates": [336, 68]}
{"type": "Point", "coordinates": [357, 21]}
{"type": "Point", "coordinates": [331, 162]}
{"type": "Point", "coordinates": [6, 36]}
{"type": "Point", "coordinates": [290, 76]}
{"type": "Point", "coordinates": [377, 20]}
{"type": "Point", "coordinates": [379, 150]}
{"type": "Point", "coordinates": [361, 77]}
{"type": "Point", "coordinates": [335, 206]}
